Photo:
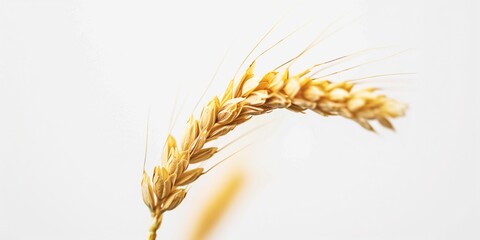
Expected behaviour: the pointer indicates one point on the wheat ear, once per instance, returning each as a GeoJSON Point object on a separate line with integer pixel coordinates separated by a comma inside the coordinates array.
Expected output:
{"type": "Point", "coordinates": [255, 95]}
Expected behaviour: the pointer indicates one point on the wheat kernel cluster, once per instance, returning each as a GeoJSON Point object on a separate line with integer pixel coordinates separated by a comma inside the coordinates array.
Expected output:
{"type": "Point", "coordinates": [255, 95]}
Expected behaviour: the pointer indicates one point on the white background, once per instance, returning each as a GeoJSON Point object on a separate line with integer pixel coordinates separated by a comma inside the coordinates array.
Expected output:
{"type": "Point", "coordinates": [77, 79]}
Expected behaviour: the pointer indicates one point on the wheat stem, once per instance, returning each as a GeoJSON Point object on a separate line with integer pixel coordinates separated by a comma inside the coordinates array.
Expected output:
{"type": "Point", "coordinates": [156, 222]}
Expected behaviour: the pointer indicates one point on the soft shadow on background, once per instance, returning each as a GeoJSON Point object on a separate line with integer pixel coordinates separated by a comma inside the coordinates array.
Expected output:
{"type": "Point", "coordinates": [77, 79]}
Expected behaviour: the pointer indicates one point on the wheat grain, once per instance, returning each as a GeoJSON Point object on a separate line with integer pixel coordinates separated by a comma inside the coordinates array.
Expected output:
{"type": "Point", "coordinates": [255, 95]}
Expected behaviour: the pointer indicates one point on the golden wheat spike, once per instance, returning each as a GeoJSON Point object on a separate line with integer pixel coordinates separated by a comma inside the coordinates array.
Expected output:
{"type": "Point", "coordinates": [256, 95]}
